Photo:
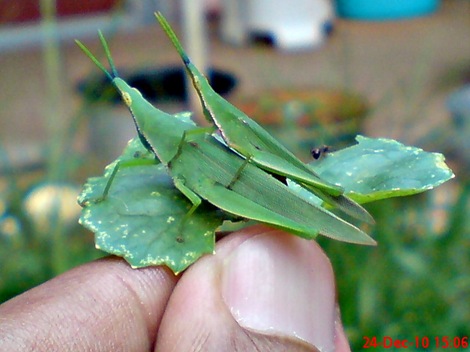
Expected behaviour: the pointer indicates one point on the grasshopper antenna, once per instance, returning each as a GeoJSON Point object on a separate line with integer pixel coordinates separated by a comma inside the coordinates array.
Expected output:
{"type": "Point", "coordinates": [96, 61]}
{"type": "Point", "coordinates": [172, 35]}
{"type": "Point", "coordinates": [105, 45]}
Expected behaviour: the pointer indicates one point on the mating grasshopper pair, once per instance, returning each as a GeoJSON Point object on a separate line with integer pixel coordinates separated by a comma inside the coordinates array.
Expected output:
{"type": "Point", "coordinates": [235, 175]}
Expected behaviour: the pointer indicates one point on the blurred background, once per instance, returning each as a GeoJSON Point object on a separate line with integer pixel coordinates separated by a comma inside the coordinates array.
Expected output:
{"type": "Point", "coordinates": [314, 72]}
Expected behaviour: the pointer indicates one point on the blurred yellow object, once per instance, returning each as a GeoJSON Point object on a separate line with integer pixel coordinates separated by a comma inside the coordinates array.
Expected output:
{"type": "Point", "coordinates": [9, 226]}
{"type": "Point", "coordinates": [51, 203]}
{"type": "Point", "coordinates": [3, 197]}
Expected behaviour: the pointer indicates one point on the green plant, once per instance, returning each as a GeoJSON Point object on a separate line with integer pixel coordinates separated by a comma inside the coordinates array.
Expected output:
{"type": "Point", "coordinates": [416, 282]}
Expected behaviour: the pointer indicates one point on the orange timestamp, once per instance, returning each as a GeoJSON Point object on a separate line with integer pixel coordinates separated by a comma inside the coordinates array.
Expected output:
{"type": "Point", "coordinates": [416, 342]}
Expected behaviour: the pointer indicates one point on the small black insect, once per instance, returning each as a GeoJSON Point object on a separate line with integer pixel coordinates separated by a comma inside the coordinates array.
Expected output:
{"type": "Point", "coordinates": [318, 152]}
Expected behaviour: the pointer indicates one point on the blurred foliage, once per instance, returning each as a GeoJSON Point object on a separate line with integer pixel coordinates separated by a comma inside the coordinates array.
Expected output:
{"type": "Point", "coordinates": [39, 235]}
{"type": "Point", "coordinates": [307, 118]}
{"type": "Point", "coordinates": [416, 282]}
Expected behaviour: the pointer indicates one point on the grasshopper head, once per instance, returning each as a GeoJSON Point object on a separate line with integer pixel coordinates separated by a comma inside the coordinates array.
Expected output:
{"type": "Point", "coordinates": [128, 93]}
{"type": "Point", "coordinates": [125, 90]}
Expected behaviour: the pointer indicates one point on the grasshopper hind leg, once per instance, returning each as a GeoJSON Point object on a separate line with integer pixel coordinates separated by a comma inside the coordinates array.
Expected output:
{"type": "Point", "coordinates": [238, 173]}
{"type": "Point", "coordinates": [195, 201]}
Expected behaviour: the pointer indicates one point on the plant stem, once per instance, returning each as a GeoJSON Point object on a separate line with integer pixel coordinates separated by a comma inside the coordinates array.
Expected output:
{"type": "Point", "coordinates": [54, 110]}
{"type": "Point", "coordinates": [195, 37]}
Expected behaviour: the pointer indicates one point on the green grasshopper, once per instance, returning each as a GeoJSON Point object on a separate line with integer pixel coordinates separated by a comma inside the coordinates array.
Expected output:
{"type": "Point", "coordinates": [253, 142]}
{"type": "Point", "coordinates": [202, 168]}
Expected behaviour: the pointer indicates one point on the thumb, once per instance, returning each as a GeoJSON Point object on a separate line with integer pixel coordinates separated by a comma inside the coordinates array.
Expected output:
{"type": "Point", "coordinates": [264, 290]}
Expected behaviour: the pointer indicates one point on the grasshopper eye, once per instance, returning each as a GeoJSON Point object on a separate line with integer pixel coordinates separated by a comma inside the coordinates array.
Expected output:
{"type": "Point", "coordinates": [127, 98]}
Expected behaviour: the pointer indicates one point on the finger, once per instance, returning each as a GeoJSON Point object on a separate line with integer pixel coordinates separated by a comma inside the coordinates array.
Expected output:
{"type": "Point", "coordinates": [101, 306]}
{"type": "Point", "coordinates": [263, 290]}
{"type": "Point", "coordinates": [341, 341]}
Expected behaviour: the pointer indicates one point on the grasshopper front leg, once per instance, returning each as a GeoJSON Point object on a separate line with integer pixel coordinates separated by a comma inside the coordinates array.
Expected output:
{"type": "Point", "coordinates": [116, 168]}
{"type": "Point", "coordinates": [184, 139]}
{"type": "Point", "coordinates": [109, 182]}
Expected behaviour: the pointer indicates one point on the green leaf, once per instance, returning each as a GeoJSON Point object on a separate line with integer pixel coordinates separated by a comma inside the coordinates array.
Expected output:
{"type": "Point", "coordinates": [141, 219]}
{"type": "Point", "coordinates": [383, 168]}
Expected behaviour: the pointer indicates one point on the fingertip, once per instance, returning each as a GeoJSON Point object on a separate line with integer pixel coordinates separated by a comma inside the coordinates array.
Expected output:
{"type": "Point", "coordinates": [110, 303]}
{"type": "Point", "coordinates": [280, 284]}
{"type": "Point", "coordinates": [341, 341]}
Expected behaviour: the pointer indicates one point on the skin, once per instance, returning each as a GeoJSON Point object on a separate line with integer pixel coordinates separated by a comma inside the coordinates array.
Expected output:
{"type": "Point", "coordinates": [219, 304]}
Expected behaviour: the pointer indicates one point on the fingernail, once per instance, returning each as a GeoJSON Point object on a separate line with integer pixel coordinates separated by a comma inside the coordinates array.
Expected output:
{"type": "Point", "coordinates": [280, 284]}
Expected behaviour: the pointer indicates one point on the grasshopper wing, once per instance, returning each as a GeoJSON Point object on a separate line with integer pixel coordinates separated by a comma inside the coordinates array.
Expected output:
{"type": "Point", "coordinates": [207, 168]}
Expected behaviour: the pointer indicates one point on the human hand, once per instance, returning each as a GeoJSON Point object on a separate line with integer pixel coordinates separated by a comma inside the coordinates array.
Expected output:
{"type": "Point", "coordinates": [263, 290]}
